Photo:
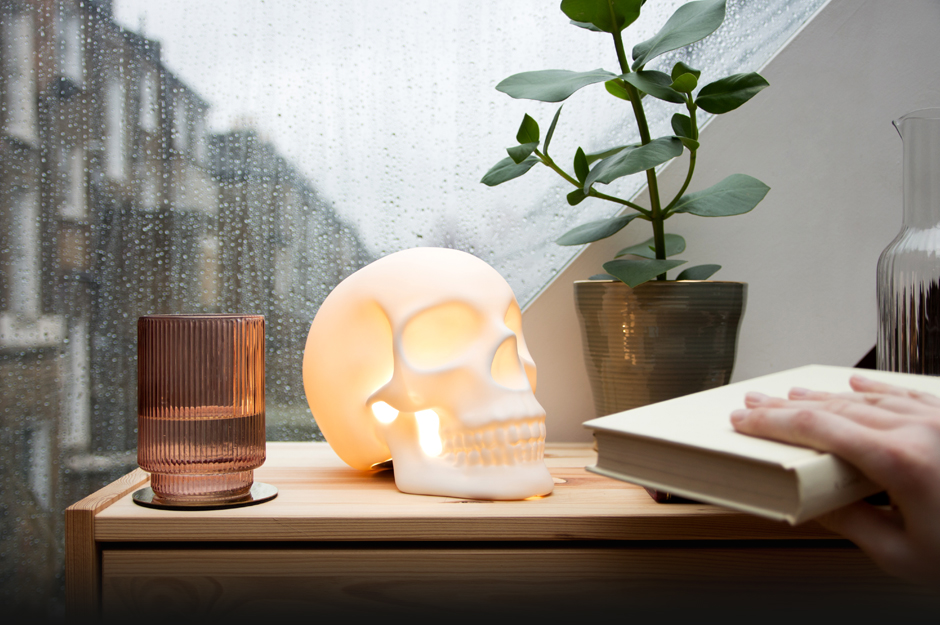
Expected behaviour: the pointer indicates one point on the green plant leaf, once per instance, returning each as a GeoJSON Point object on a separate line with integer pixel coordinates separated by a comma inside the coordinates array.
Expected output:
{"type": "Point", "coordinates": [576, 197]}
{"type": "Point", "coordinates": [550, 85]}
{"type": "Point", "coordinates": [581, 168]}
{"type": "Point", "coordinates": [636, 272]}
{"type": "Point", "coordinates": [519, 153]}
{"type": "Point", "coordinates": [692, 144]}
{"type": "Point", "coordinates": [617, 89]}
{"type": "Point", "coordinates": [528, 131]}
{"type": "Point", "coordinates": [595, 230]}
{"type": "Point", "coordinates": [729, 93]}
{"type": "Point", "coordinates": [608, 16]}
{"type": "Point", "coordinates": [506, 169]}
{"type": "Point", "coordinates": [681, 68]}
{"type": "Point", "coordinates": [675, 244]}
{"type": "Point", "coordinates": [551, 129]}
{"type": "Point", "coordinates": [587, 26]}
{"type": "Point", "coordinates": [690, 23]}
{"type": "Point", "coordinates": [686, 83]}
{"type": "Point", "coordinates": [596, 156]}
{"type": "Point", "coordinates": [602, 276]}
{"type": "Point", "coordinates": [634, 160]}
{"type": "Point", "coordinates": [682, 125]}
{"type": "Point", "coordinates": [699, 272]}
{"type": "Point", "coordinates": [736, 194]}
{"type": "Point", "coordinates": [656, 84]}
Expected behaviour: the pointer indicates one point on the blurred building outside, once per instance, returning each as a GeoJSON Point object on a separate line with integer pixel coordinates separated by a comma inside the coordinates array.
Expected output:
{"type": "Point", "coordinates": [116, 202]}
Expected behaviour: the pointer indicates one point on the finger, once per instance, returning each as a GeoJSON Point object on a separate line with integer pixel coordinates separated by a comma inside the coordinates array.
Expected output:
{"type": "Point", "coordinates": [871, 415]}
{"type": "Point", "coordinates": [901, 404]}
{"type": "Point", "coordinates": [857, 444]}
{"type": "Point", "coordinates": [905, 403]}
{"type": "Point", "coordinates": [879, 533]}
{"type": "Point", "coordinates": [804, 393]}
{"type": "Point", "coordinates": [862, 384]}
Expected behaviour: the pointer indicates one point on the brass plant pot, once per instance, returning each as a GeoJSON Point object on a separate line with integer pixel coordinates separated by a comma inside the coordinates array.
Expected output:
{"type": "Point", "coordinates": [657, 341]}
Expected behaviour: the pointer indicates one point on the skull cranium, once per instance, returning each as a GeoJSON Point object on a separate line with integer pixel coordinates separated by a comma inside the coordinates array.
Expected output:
{"type": "Point", "coordinates": [419, 357]}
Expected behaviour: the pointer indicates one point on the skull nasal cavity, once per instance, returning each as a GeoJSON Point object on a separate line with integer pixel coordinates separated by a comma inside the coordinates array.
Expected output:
{"type": "Point", "coordinates": [440, 335]}
{"type": "Point", "coordinates": [507, 368]}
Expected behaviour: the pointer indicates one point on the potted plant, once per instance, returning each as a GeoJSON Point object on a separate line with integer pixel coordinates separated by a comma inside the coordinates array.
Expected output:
{"type": "Point", "coordinates": [646, 338]}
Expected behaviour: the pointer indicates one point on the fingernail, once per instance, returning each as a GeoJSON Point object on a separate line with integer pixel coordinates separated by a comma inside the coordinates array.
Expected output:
{"type": "Point", "coordinates": [798, 391]}
{"type": "Point", "coordinates": [739, 415]}
{"type": "Point", "coordinates": [755, 398]}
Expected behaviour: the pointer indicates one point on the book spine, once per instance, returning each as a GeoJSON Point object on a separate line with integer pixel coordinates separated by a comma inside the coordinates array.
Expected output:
{"type": "Point", "coordinates": [827, 483]}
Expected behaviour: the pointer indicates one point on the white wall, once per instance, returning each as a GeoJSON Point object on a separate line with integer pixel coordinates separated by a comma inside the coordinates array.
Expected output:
{"type": "Point", "coordinates": [821, 137]}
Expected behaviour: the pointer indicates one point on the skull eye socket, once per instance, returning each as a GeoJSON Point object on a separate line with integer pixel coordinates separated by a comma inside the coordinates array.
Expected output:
{"type": "Point", "coordinates": [439, 335]}
{"type": "Point", "coordinates": [513, 321]}
{"type": "Point", "coordinates": [513, 318]}
{"type": "Point", "coordinates": [507, 368]}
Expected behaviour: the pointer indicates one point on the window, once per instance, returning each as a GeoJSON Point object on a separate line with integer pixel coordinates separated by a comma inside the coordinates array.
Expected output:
{"type": "Point", "coordinates": [76, 427]}
{"type": "Point", "coordinates": [25, 261]}
{"type": "Point", "coordinates": [180, 124]}
{"type": "Point", "coordinates": [209, 271]}
{"type": "Point", "coordinates": [149, 101]}
{"type": "Point", "coordinates": [199, 140]}
{"type": "Point", "coordinates": [73, 170]}
{"type": "Point", "coordinates": [20, 103]}
{"type": "Point", "coordinates": [39, 446]}
{"type": "Point", "coordinates": [115, 141]}
{"type": "Point", "coordinates": [149, 190]}
{"type": "Point", "coordinates": [247, 160]}
{"type": "Point", "coordinates": [73, 49]}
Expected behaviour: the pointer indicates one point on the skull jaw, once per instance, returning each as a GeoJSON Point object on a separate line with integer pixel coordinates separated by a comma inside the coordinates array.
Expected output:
{"type": "Point", "coordinates": [495, 482]}
{"type": "Point", "coordinates": [420, 474]}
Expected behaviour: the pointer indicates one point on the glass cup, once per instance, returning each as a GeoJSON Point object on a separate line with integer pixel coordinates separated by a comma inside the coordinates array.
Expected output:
{"type": "Point", "coordinates": [200, 399]}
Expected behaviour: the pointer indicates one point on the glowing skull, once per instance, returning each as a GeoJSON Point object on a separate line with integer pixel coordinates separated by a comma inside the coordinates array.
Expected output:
{"type": "Point", "coordinates": [419, 358]}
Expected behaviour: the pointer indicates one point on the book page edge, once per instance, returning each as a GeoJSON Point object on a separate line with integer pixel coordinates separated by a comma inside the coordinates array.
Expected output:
{"type": "Point", "coordinates": [766, 513]}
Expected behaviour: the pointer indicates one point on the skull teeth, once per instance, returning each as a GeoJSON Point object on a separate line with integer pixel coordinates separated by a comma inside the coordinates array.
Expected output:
{"type": "Point", "coordinates": [498, 445]}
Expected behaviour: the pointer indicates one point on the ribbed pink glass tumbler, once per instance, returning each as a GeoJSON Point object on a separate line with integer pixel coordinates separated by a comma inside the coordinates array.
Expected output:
{"type": "Point", "coordinates": [200, 400]}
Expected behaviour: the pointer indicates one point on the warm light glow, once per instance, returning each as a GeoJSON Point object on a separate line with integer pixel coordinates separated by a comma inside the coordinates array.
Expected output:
{"type": "Point", "coordinates": [435, 334]}
{"type": "Point", "coordinates": [441, 334]}
{"type": "Point", "coordinates": [383, 412]}
{"type": "Point", "coordinates": [429, 437]}
{"type": "Point", "coordinates": [506, 369]}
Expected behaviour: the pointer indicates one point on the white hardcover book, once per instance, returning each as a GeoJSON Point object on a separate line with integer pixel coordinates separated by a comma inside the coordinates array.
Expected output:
{"type": "Point", "coordinates": [687, 446]}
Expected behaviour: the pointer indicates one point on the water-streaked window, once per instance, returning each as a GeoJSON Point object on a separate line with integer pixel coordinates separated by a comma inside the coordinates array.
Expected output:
{"type": "Point", "coordinates": [18, 38]}
{"type": "Point", "coordinates": [114, 137]}
{"type": "Point", "coordinates": [175, 157]}
{"type": "Point", "coordinates": [73, 47]}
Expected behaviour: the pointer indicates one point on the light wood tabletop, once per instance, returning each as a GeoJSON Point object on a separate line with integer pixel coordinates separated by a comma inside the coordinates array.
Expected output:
{"type": "Point", "coordinates": [333, 529]}
{"type": "Point", "coordinates": [322, 499]}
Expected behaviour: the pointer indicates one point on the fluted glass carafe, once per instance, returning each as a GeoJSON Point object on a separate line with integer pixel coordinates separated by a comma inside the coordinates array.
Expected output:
{"type": "Point", "coordinates": [909, 268]}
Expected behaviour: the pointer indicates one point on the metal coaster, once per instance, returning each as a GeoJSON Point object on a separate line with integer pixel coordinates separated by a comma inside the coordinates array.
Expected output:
{"type": "Point", "coordinates": [259, 493]}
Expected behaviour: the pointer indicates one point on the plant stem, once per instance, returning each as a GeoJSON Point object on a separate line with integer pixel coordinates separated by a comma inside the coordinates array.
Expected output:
{"type": "Point", "coordinates": [656, 215]}
{"type": "Point", "coordinates": [610, 198]}
{"type": "Point", "coordinates": [692, 156]}
{"type": "Point", "coordinates": [547, 161]}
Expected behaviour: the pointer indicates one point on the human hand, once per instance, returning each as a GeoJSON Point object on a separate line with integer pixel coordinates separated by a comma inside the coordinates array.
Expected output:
{"type": "Point", "coordinates": [889, 433]}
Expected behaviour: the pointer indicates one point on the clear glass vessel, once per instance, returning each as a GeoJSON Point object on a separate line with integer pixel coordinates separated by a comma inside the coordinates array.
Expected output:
{"type": "Point", "coordinates": [909, 268]}
{"type": "Point", "coordinates": [200, 404]}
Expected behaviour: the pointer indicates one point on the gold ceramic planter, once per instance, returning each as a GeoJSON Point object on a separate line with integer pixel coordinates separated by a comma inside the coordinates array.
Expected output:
{"type": "Point", "coordinates": [657, 341]}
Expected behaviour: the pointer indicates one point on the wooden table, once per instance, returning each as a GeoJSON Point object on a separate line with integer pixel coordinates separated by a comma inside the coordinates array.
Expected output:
{"type": "Point", "coordinates": [337, 539]}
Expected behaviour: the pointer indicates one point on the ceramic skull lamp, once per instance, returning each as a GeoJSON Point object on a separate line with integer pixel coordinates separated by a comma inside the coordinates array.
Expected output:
{"type": "Point", "coordinates": [419, 358]}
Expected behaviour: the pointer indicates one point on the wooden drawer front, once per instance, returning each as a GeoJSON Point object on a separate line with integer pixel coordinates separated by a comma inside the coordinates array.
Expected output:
{"type": "Point", "coordinates": [240, 582]}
